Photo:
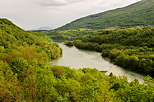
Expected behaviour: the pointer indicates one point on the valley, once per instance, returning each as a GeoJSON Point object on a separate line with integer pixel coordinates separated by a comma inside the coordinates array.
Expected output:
{"type": "Point", "coordinates": [105, 57]}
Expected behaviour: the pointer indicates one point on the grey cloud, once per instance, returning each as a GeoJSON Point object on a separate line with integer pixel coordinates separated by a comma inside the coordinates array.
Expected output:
{"type": "Point", "coordinates": [57, 2]}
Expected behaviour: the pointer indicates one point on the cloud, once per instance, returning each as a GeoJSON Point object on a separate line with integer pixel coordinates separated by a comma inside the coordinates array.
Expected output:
{"type": "Point", "coordinates": [57, 2]}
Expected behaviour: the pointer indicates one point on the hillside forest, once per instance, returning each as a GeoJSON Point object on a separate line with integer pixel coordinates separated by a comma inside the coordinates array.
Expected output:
{"type": "Point", "coordinates": [134, 15]}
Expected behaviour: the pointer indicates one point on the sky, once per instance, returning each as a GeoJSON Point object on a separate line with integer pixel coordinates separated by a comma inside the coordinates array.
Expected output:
{"type": "Point", "coordinates": [32, 14]}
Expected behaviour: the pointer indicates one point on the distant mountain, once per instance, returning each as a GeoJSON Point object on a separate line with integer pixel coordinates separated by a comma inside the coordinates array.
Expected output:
{"type": "Point", "coordinates": [43, 28]}
{"type": "Point", "coordinates": [138, 14]}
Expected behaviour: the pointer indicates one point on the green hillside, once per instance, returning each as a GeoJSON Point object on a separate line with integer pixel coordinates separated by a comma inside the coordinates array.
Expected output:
{"type": "Point", "coordinates": [131, 48]}
{"type": "Point", "coordinates": [14, 38]}
{"type": "Point", "coordinates": [20, 53]}
{"type": "Point", "coordinates": [138, 14]}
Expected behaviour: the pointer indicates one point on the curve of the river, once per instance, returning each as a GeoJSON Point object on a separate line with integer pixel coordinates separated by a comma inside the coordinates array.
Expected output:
{"type": "Point", "coordinates": [75, 58]}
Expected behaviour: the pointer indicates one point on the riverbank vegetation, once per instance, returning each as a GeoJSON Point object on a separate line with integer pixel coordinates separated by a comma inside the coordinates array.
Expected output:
{"type": "Point", "coordinates": [62, 35]}
{"type": "Point", "coordinates": [131, 48]}
{"type": "Point", "coordinates": [68, 43]}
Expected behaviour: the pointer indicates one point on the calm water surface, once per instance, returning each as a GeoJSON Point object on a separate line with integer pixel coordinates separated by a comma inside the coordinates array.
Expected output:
{"type": "Point", "coordinates": [75, 58]}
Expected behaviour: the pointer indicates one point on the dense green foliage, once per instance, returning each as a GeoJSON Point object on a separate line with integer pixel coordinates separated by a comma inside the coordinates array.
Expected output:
{"type": "Point", "coordinates": [138, 14]}
{"type": "Point", "coordinates": [20, 51]}
{"type": "Point", "coordinates": [131, 48]}
{"type": "Point", "coordinates": [26, 77]}
{"type": "Point", "coordinates": [42, 83]}
{"type": "Point", "coordinates": [62, 35]}
{"type": "Point", "coordinates": [68, 43]}
{"type": "Point", "coordinates": [14, 40]}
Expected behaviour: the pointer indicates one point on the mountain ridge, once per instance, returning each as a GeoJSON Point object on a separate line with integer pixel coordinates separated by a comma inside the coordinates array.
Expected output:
{"type": "Point", "coordinates": [137, 14]}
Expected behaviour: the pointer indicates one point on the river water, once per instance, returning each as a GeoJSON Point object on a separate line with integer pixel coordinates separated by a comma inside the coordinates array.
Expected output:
{"type": "Point", "coordinates": [76, 58]}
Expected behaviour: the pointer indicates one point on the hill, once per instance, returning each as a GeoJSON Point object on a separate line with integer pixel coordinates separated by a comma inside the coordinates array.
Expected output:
{"type": "Point", "coordinates": [13, 38]}
{"type": "Point", "coordinates": [138, 14]}
{"type": "Point", "coordinates": [20, 53]}
{"type": "Point", "coordinates": [42, 28]}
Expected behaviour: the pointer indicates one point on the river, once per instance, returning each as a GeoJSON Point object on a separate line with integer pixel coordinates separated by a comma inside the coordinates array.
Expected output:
{"type": "Point", "coordinates": [76, 58]}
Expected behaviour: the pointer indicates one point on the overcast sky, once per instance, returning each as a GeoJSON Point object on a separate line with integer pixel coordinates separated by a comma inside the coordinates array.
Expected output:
{"type": "Point", "coordinates": [31, 14]}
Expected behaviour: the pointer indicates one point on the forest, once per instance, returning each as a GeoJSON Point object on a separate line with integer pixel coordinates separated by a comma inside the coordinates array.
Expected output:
{"type": "Point", "coordinates": [25, 75]}
{"type": "Point", "coordinates": [131, 48]}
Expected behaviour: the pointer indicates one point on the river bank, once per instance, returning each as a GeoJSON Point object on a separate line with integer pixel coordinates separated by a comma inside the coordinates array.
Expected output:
{"type": "Point", "coordinates": [75, 58]}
